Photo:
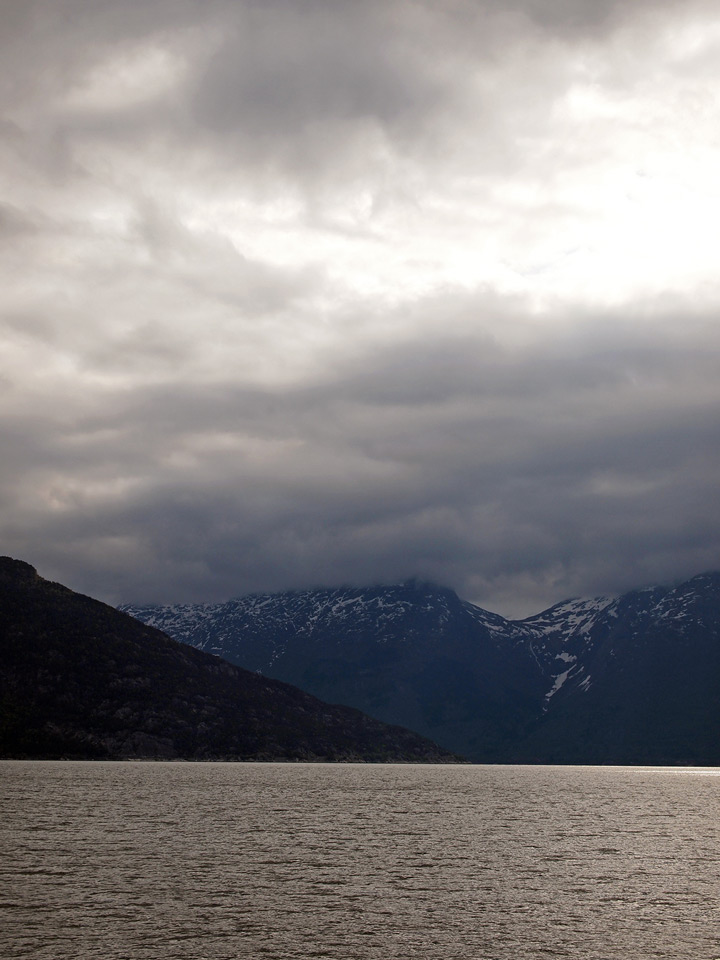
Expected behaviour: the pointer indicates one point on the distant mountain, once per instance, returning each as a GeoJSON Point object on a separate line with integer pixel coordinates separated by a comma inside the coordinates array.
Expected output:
{"type": "Point", "coordinates": [640, 678]}
{"type": "Point", "coordinates": [79, 679]}
{"type": "Point", "coordinates": [634, 679]}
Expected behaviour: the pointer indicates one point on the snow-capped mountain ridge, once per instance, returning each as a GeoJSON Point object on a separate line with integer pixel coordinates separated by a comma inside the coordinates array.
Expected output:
{"type": "Point", "coordinates": [416, 654]}
{"type": "Point", "coordinates": [302, 612]}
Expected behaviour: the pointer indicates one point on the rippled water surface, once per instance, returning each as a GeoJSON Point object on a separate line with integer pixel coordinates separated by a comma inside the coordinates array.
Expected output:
{"type": "Point", "coordinates": [183, 860]}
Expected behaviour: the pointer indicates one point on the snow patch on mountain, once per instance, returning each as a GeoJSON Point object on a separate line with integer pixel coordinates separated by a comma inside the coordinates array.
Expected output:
{"type": "Point", "coordinates": [573, 617]}
{"type": "Point", "coordinates": [559, 681]}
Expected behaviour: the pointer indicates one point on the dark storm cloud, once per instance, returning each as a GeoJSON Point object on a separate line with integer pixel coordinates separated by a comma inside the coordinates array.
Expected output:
{"type": "Point", "coordinates": [594, 465]}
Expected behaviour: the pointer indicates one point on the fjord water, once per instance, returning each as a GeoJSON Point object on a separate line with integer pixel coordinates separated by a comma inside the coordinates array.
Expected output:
{"type": "Point", "coordinates": [352, 862]}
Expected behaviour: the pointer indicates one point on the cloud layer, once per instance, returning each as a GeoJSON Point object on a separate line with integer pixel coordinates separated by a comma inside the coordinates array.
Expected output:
{"type": "Point", "coordinates": [300, 294]}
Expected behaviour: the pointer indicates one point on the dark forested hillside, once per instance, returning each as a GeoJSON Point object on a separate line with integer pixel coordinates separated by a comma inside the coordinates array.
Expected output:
{"type": "Point", "coordinates": [79, 679]}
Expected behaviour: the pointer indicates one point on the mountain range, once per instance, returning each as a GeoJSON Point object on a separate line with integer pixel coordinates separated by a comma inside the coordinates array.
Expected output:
{"type": "Point", "coordinates": [629, 679]}
{"type": "Point", "coordinates": [80, 680]}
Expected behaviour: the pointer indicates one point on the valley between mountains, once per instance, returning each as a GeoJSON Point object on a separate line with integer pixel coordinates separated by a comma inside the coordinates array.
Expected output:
{"type": "Point", "coordinates": [632, 679]}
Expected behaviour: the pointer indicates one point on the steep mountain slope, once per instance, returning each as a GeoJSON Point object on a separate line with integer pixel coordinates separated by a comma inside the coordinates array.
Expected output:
{"type": "Point", "coordinates": [645, 686]}
{"type": "Point", "coordinates": [412, 654]}
{"type": "Point", "coordinates": [628, 679]}
{"type": "Point", "coordinates": [78, 679]}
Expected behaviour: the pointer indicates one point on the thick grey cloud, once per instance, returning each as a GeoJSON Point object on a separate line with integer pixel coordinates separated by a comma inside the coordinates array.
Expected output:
{"type": "Point", "coordinates": [299, 294]}
{"type": "Point", "coordinates": [586, 465]}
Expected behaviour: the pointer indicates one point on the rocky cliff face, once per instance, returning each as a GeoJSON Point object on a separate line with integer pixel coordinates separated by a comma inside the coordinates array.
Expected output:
{"type": "Point", "coordinates": [603, 680]}
{"type": "Point", "coordinates": [79, 679]}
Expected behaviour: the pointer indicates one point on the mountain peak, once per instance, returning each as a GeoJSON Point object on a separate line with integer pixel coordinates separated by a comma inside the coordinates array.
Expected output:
{"type": "Point", "coordinates": [11, 569]}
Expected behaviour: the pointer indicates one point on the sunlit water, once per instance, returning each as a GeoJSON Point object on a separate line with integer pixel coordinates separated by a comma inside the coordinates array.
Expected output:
{"type": "Point", "coordinates": [182, 860]}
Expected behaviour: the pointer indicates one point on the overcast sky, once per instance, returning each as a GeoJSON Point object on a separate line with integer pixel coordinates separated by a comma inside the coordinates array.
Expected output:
{"type": "Point", "coordinates": [310, 292]}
